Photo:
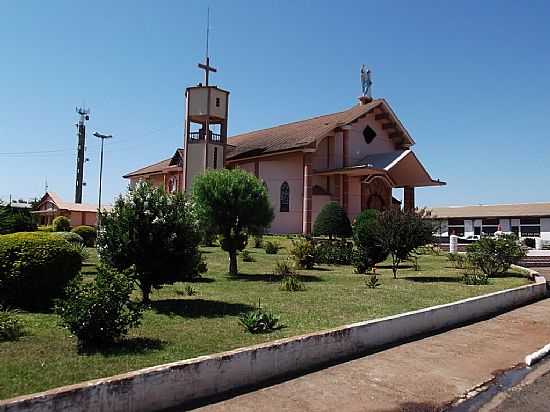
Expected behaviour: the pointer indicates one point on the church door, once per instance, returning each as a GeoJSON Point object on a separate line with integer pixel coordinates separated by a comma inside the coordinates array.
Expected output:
{"type": "Point", "coordinates": [375, 194]}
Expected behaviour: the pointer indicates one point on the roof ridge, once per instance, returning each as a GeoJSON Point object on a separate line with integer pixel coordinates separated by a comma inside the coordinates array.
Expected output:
{"type": "Point", "coordinates": [491, 204]}
{"type": "Point", "coordinates": [300, 121]}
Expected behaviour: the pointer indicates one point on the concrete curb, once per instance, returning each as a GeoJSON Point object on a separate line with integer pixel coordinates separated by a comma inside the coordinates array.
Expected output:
{"type": "Point", "coordinates": [177, 383]}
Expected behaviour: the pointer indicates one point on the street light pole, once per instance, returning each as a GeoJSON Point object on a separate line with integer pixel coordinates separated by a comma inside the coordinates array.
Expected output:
{"type": "Point", "coordinates": [102, 137]}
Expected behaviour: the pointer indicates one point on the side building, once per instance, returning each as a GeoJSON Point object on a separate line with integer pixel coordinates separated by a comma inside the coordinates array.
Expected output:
{"type": "Point", "coordinates": [527, 220]}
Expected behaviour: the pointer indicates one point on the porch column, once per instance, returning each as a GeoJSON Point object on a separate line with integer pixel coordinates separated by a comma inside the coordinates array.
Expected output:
{"type": "Point", "coordinates": [307, 204]}
{"type": "Point", "coordinates": [345, 192]}
{"type": "Point", "coordinates": [408, 199]}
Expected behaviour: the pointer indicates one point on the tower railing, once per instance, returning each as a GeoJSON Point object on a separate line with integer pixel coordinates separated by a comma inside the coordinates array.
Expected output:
{"type": "Point", "coordinates": [199, 135]}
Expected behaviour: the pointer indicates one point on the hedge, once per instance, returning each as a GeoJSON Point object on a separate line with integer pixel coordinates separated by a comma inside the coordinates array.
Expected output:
{"type": "Point", "coordinates": [35, 268]}
{"type": "Point", "coordinates": [88, 233]}
{"type": "Point", "coordinates": [61, 224]}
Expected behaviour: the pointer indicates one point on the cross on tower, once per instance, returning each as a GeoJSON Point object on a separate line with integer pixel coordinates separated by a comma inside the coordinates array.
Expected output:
{"type": "Point", "coordinates": [207, 69]}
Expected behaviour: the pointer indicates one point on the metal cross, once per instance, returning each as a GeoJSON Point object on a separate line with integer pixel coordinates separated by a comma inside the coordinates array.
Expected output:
{"type": "Point", "coordinates": [207, 69]}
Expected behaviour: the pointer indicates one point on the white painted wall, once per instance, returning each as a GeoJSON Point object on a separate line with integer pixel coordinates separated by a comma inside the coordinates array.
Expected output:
{"type": "Point", "coordinates": [545, 228]}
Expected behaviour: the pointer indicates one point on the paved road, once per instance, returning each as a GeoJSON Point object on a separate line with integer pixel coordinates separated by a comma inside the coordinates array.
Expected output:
{"type": "Point", "coordinates": [424, 375]}
{"type": "Point", "coordinates": [530, 395]}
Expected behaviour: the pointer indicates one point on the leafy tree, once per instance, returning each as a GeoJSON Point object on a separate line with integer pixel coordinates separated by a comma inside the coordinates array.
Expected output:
{"type": "Point", "coordinates": [400, 233]}
{"type": "Point", "coordinates": [153, 234]}
{"type": "Point", "coordinates": [14, 220]}
{"type": "Point", "coordinates": [61, 224]}
{"type": "Point", "coordinates": [236, 204]}
{"type": "Point", "coordinates": [495, 255]}
{"type": "Point", "coordinates": [332, 221]}
{"type": "Point", "coordinates": [101, 312]}
{"type": "Point", "coordinates": [365, 236]}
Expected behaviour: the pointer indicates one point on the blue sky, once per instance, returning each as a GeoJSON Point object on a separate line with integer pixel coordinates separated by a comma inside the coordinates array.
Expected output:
{"type": "Point", "coordinates": [470, 80]}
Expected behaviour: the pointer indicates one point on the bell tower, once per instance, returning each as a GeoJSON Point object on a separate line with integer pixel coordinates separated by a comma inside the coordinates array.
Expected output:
{"type": "Point", "coordinates": [206, 109]}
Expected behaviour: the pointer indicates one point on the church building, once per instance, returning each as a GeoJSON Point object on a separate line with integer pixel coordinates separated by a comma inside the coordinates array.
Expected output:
{"type": "Point", "coordinates": [355, 157]}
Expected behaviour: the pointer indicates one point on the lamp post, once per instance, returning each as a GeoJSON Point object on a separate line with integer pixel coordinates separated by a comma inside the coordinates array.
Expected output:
{"type": "Point", "coordinates": [102, 137]}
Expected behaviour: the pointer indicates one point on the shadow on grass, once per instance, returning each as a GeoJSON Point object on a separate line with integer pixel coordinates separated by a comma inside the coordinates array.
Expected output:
{"type": "Point", "coordinates": [201, 279]}
{"type": "Point", "coordinates": [433, 279]}
{"type": "Point", "coordinates": [405, 266]}
{"type": "Point", "coordinates": [271, 278]}
{"type": "Point", "coordinates": [509, 275]}
{"type": "Point", "coordinates": [198, 308]}
{"type": "Point", "coordinates": [137, 345]}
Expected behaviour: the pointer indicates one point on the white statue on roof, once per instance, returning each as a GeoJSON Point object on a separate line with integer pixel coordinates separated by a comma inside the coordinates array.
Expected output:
{"type": "Point", "coordinates": [366, 81]}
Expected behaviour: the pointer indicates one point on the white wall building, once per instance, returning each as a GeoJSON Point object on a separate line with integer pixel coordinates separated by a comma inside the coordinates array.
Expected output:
{"type": "Point", "coordinates": [524, 219]}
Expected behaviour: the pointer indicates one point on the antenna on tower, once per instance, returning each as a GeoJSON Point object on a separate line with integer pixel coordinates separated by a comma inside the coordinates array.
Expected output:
{"type": "Point", "coordinates": [207, 30]}
{"type": "Point", "coordinates": [81, 134]}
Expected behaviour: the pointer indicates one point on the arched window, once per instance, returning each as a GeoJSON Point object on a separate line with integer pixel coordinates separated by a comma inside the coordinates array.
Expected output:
{"type": "Point", "coordinates": [285, 197]}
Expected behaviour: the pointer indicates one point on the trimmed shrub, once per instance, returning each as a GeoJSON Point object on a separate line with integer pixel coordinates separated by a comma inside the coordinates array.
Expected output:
{"type": "Point", "coordinates": [495, 255]}
{"type": "Point", "coordinates": [61, 224]}
{"type": "Point", "coordinates": [475, 279]}
{"type": "Point", "coordinates": [336, 252]}
{"type": "Point", "coordinates": [88, 233]}
{"type": "Point", "coordinates": [365, 235]}
{"type": "Point", "coordinates": [271, 247]}
{"type": "Point", "coordinates": [372, 281]}
{"type": "Point", "coordinates": [11, 328]}
{"type": "Point", "coordinates": [100, 313]}
{"type": "Point", "coordinates": [35, 268]}
{"type": "Point", "coordinates": [47, 228]}
{"type": "Point", "coordinates": [302, 252]}
{"type": "Point", "coordinates": [332, 221]}
{"type": "Point", "coordinates": [70, 237]}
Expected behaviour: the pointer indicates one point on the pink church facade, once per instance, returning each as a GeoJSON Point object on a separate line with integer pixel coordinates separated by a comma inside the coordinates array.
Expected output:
{"type": "Point", "coordinates": [356, 157]}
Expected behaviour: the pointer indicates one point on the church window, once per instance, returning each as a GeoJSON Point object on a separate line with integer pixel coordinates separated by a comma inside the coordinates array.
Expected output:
{"type": "Point", "coordinates": [217, 102]}
{"type": "Point", "coordinates": [285, 197]}
{"type": "Point", "coordinates": [369, 134]}
{"type": "Point", "coordinates": [215, 158]}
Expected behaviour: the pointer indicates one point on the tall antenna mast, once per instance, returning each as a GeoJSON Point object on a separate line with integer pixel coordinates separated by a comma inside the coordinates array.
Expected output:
{"type": "Point", "coordinates": [207, 30]}
{"type": "Point", "coordinates": [81, 133]}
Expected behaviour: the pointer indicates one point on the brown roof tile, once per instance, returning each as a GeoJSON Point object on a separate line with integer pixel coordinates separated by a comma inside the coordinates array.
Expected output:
{"type": "Point", "coordinates": [294, 135]}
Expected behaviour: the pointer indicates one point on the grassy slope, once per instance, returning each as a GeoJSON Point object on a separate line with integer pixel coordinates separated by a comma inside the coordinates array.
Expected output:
{"type": "Point", "coordinates": [179, 327]}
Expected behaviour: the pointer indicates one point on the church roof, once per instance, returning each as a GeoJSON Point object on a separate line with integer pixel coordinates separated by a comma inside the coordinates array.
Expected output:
{"type": "Point", "coordinates": [154, 168]}
{"type": "Point", "coordinates": [298, 134]}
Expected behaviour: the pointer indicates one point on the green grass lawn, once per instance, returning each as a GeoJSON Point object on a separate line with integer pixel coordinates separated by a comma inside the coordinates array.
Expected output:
{"type": "Point", "coordinates": [179, 327]}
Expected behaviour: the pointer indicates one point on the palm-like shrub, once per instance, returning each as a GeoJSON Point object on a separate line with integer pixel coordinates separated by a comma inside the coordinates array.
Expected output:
{"type": "Point", "coordinates": [259, 321]}
{"type": "Point", "coordinates": [271, 247]}
{"type": "Point", "coordinates": [11, 328]}
{"type": "Point", "coordinates": [302, 252]}
{"type": "Point", "coordinates": [332, 221]}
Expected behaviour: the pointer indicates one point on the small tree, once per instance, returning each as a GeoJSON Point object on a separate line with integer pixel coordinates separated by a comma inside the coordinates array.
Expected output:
{"type": "Point", "coordinates": [332, 221]}
{"type": "Point", "coordinates": [154, 235]}
{"type": "Point", "coordinates": [14, 220]}
{"type": "Point", "coordinates": [495, 255]}
{"type": "Point", "coordinates": [365, 236]}
{"type": "Point", "coordinates": [400, 233]}
{"type": "Point", "coordinates": [61, 224]}
{"type": "Point", "coordinates": [236, 204]}
{"type": "Point", "coordinates": [101, 312]}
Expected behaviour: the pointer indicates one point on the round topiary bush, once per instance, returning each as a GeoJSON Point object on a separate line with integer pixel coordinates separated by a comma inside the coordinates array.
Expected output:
{"type": "Point", "coordinates": [35, 268]}
{"type": "Point", "coordinates": [70, 237]}
{"type": "Point", "coordinates": [88, 233]}
{"type": "Point", "coordinates": [61, 224]}
{"type": "Point", "coordinates": [366, 230]}
{"type": "Point", "coordinates": [332, 221]}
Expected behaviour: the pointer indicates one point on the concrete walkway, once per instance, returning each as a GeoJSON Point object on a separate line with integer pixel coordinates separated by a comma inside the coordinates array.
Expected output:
{"type": "Point", "coordinates": [424, 375]}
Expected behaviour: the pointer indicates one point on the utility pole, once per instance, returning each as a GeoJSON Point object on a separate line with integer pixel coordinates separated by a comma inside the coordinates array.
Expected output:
{"type": "Point", "coordinates": [81, 133]}
{"type": "Point", "coordinates": [102, 137]}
